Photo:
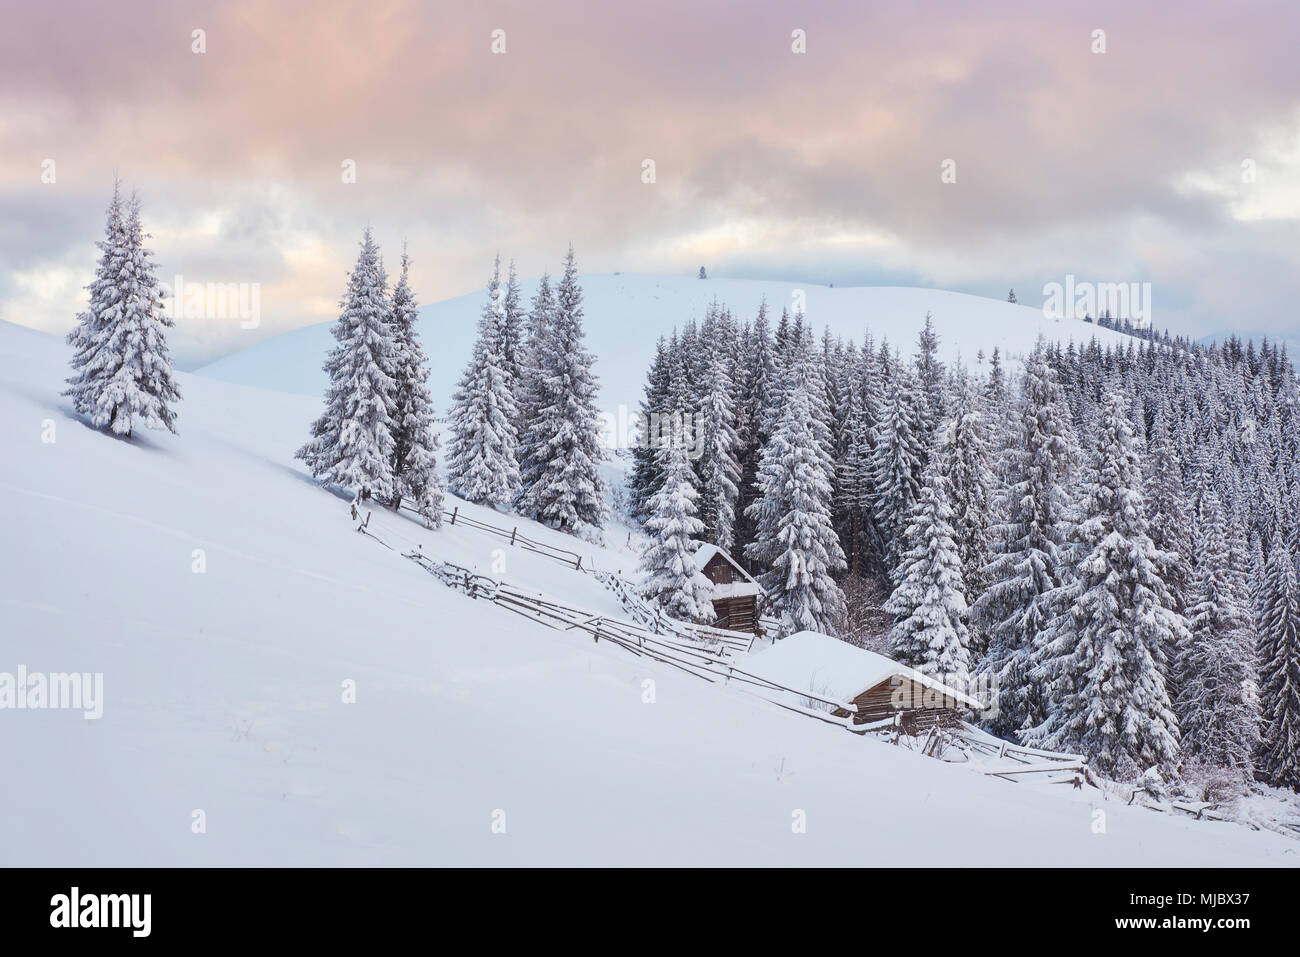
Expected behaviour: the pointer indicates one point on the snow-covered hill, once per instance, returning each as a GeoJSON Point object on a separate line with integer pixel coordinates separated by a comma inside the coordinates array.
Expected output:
{"type": "Point", "coordinates": [626, 313]}
{"type": "Point", "coordinates": [223, 690]}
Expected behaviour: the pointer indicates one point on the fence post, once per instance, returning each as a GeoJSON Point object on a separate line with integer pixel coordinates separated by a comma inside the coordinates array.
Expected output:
{"type": "Point", "coordinates": [453, 514]}
{"type": "Point", "coordinates": [513, 532]}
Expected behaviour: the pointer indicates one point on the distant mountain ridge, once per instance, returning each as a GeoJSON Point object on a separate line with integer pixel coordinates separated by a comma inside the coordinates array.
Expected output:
{"type": "Point", "coordinates": [625, 313]}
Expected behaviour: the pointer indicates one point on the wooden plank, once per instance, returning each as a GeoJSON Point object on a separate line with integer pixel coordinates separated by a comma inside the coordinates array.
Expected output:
{"type": "Point", "coordinates": [1048, 769]}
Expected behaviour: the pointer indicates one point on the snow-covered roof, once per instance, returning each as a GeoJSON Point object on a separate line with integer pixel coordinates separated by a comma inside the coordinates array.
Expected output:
{"type": "Point", "coordinates": [734, 589]}
{"type": "Point", "coordinates": [834, 669]}
{"type": "Point", "coordinates": [706, 553]}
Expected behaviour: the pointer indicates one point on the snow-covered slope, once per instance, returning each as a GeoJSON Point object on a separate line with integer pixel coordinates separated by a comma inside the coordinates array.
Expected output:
{"type": "Point", "coordinates": [626, 313]}
{"type": "Point", "coordinates": [222, 690]}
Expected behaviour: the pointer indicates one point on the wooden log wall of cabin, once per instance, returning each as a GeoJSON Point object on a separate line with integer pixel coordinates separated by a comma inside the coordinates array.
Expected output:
{"type": "Point", "coordinates": [878, 702]}
{"type": "Point", "coordinates": [736, 614]}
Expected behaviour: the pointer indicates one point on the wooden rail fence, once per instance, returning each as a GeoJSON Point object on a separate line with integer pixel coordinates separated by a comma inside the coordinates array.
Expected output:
{"type": "Point", "coordinates": [624, 590]}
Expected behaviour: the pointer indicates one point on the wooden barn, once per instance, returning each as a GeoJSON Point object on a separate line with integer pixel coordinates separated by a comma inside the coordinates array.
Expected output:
{"type": "Point", "coordinates": [879, 687]}
{"type": "Point", "coordinates": [737, 598]}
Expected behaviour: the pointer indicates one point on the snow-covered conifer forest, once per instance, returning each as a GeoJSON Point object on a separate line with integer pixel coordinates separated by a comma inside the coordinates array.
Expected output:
{"type": "Point", "coordinates": [1109, 533]}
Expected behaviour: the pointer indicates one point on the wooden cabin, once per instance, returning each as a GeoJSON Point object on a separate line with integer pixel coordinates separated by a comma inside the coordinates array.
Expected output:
{"type": "Point", "coordinates": [736, 596]}
{"type": "Point", "coordinates": [879, 687]}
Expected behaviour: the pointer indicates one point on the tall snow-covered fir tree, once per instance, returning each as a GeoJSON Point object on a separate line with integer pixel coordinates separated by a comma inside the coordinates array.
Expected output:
{"type": "Point", "coordinates": [646, 473]}
{"type": "Point", "coordinates": [1028, 564]}
{"type": "Point", "coordinates": [929, 601]}
{"type": "Point", "coordinates": [1168, 513]}
{"type": "Point", "coordinates": [962, 451]}
{"type": "Point", "coordinates": [897, 462]}
{"type": "Point", "coordinates": [352, 441]}
{"type": "Point", "coordinates": [482, 464]}
{"type": "Point", "coordinates": [719, 469]}
{"type": "Point", "coordinates": [671, 576]}
{"type": "Point", "coordinates": [757, 402]}
{"type": "Point", "coordinates": [123, 367]}
{"type": "Point", "coordinates": [528, 393]}
{"type": "Point", "coordinates": [1217, 699]}
{"type": "Point", "coordinates": [514, 331]}
{"type": "Point", "coordinates": [415, 437]}
{"type": "Point", "coordinates": [929, 382]}
{"type": "Point", "coordinates": [561, 446]}
{"type": "Point", "coordinates": [762, 513]}
{"type": "Point", "coordinates": [1103, 665]}
{"type": "Point", "coordinates": [1279, 669]}
{"type": "Point", "coordinates": [796, 537]}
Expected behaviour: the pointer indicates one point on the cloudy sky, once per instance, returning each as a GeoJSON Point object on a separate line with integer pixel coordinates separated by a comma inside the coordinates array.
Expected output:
{"type": "Point", "coordinates": [1171, 158]}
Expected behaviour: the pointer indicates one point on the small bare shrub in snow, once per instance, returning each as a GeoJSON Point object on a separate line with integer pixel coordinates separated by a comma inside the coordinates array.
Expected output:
{"type": "Point", "coordinates": [865, 623]}
{"type": "Point", "coordinates": [1212, 784]}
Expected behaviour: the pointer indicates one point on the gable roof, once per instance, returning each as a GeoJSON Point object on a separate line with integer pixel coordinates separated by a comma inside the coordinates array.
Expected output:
{"type": "Point", "coordinates": [835, 669]}
{"type": "Point", "coordinates": [706, 553]}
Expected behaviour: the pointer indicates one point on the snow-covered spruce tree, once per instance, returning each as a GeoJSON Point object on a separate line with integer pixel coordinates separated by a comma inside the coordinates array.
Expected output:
{"type": "Point", "coordinates": [562, 483]}
{"type": "Point", "coordinates": [671, 577]}
{"type": "Point", "coordinates": [1028, 564]}
{"type": "Point", "coordinates": [1279, 660]}
{"type": "Point", "coordinates": [796, 537]}
{"type": "Point", "coordinates": [1168, 514]}
{"type": "Point", "coordinates": [763, 512]}
{"type": "Point", "coordinates": [929, 601]}
{"type": "Point", "coordinates": [482, 463]}
{"type": "Point", "coordinates": [645, 475]}
{"type": "Point", "coordinates": [758, 401]}
{"type": "Point", "coordinates": [995, 386]}
{"type": "Point", "coordinates": [897, 462]}
{"type": "Point", "coordinates": [352, 441]}
{"type": "Point", "coordinates": [853, 487]}
{"type": "Point", "coordinates": [120, 348]}
{"type": "Point", "coordinates": [719, 469]}
{"type": "Point", "coordinates": [874, 386]}
{"type": "Point", "coordinates": [106, 305]}
{"type": "Point", "coordinates": [514, 332]}
{"type": "Point", "coordinates": [962, 451]}
{"type": "Point", "coordinates": [1102, 664]}
{"type": "Point", "coordinates": [1217, 700]}
{"type": "Point", "coordinates": [529, 394]}
{"type": "Point", "coordinates": [415, 437]}
{"type": "Point", "coordinates": [929, 382]}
